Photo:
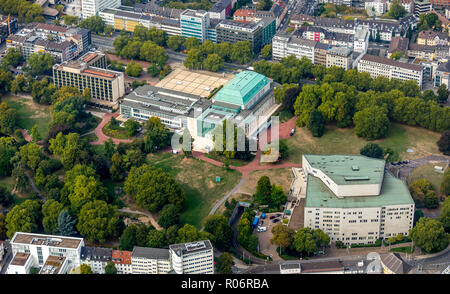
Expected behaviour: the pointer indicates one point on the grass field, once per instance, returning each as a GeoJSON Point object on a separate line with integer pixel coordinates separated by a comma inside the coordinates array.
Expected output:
{"type": "Point", "coordinates": [344, 141]}
{"type": "Point", "coordinates": [117, 133]}
{"type": "Point", "coordinates": [426, 172]}
{"type": "Point", "coordinates": [198, 179]}
{"type": "Point", "coordinates": [281, 177]}
{"type": "Point", "coordinates": [30, 113]}
{"type": "Point", "coordinates": [233, 162]}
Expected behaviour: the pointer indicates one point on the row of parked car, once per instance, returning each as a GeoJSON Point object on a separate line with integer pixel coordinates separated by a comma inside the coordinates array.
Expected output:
{"type": "Point", "coordinates": [400, 162]}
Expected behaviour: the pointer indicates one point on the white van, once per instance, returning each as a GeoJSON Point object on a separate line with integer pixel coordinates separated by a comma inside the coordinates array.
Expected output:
{"type": "Point", "coordinates": [262, 229]}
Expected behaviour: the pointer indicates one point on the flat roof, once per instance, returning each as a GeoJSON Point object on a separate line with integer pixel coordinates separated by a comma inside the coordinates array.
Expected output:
{"type": "Point", "coordinates": [322, 266]}
{"type": "Point", "coordinates": [46, 240]}
{"type": "Point", "coordinates": [344, 169]}
{"type": "Point", "coordinates": [393, 192]}
{"type": "Point", "coordinates": [20, 259]}
{"type": "Point", "coordinates": [52, 265]}
{"type": "Point", "coordinates": [391, 62]}
{"type": "Point", "coordinates": [150, 253]}
{"type": "Point", "coordinates": [187, 248]}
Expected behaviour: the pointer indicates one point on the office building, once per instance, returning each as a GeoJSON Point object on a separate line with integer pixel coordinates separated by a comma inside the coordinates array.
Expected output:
{"type": "Point", "coordinates": [33, 250]}
{"type": "Point", "coordinates": [233, 31]}
{"type": "Point", "coordinates": [340, 57]}
{"type": "Point", "coordinates": [194, 24]}
{"type": "Point", "coordinates": [421, 7]}
{"type": "Point", "coordinates": [442, 75]}
{"type": "Point", "coordinates": [172, 107]}
{"type": "Point", "coordinates": [150, 260]}
{"type": "Point", "coordinates": [284, 45]}
{"type": "Point", "coordinates": [192, 258]}
{"type": "Point", "coordinates": [122, 261]}
{"type": "Point", "coordinates": [96, 257]}
{"type": "Point", "coordinates": [92, 7]}
{"type": "Point", "coordinates": [106, 86]}
{"type": "Point", "coordinates": [379, 66]}
{"type": "Point", "coordinates": [353, 199]}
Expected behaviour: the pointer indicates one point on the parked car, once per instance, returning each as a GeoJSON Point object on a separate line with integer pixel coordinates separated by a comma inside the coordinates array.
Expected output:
{"type": "Point", "coordinates": [261, 229]}
{"type": "Point", "coordinates": [261, 223]}
{"type": "Point", "coordinates": [272, 217]}
{"type": "Point", "coordinates": [292, 132]}
{"type": "Point", "coordinates": [278, 214]}
{"type": "Point", "coordinates": [276, 220]}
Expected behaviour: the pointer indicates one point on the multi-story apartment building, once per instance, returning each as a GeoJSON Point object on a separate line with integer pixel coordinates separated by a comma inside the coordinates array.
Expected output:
{"type": "Point", "coordinates": [96, 257]}
{"type": "Point", "coordinates": [122, 261]}
{"type": "Point", "coordinates": [284, 45]}
{"type": "Point", "coordinates": [221, 9]}
{"type": "Point", "coordinates": [106, 86]}
{"type": "Point", "coordinates": [92, 7]}
{"type": "Point", "coordinates": [432, 38]}
{"type": "Point", "coordinates": [62, 43]}
{"type": "Point", "coordinates": [354, 199]}
{"type": "Point", "coordinates": [195, 24]}
{"type": "Point", "coordinates": [33, 250]}
{"type": "Point", "coordinates": [379, 66]}
{"type": "Point", "coordinates": [442, 75]}
{"type": "Point", "coordinates": [340, 57]}
{"type": "Point", "coordinates": [445, 3]}
{"type": "Point", "coordinates": [150, 260]}
{"type": "Point", "coordinates": [192, 258]}
{"type": "Point", "coordinates": [320, 54]}
{"type": "Point", "coordinates": [421, 7]}
{"type": "Point", "coordinates": [361, 40]}
{"type": "Point", "coordinates": [376, 7]}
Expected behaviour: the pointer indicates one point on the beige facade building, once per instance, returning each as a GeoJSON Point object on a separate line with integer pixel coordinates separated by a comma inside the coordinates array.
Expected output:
{"type": "Point", "coordinates": [340, 57]}
{"type": "Point", "coordinates": [150, 261]}
{"type": "Point", "coordinates": [88, 72]}
{"type": "Point", "coordinates": [354, 200]}
{"type": "Point", "coordinates": [380, 66]}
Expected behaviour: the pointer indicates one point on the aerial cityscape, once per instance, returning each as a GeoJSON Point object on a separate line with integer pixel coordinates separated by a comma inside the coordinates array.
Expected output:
{"type": "Point", "coordinates": [236, 137]}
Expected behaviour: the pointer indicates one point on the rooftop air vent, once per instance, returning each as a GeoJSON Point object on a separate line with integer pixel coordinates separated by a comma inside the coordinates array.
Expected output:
{"type": "Point", "coordinates": [355, 168]}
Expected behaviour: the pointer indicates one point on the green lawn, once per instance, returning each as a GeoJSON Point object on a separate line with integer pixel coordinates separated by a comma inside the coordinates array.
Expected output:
{"type": "Point", "coordinates": [344, 141]}
{"type": "Point", "coordinates": [233, 162]}
{"type": "Point", "coordinates": [116, 132]}
{"type": "Point", "coordinates": [426, 172]}
{"type": "Point", "coordinates": [30, 113]}
{"type": "Point", "coordinates": [198, 179]}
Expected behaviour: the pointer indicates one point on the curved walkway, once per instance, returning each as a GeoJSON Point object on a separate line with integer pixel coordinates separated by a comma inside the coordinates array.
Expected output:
{"type": "Point", "coordinates": [99, 132]}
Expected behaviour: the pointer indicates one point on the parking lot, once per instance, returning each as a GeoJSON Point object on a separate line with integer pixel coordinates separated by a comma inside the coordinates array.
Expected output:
{"type": "Point", "coordinates": [264, 237]}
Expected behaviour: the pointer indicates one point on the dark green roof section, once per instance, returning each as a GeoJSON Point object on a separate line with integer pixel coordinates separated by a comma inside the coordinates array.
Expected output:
{"type": "Point", "coordinates": [393, 192]}
{"type": "Point", "coordinates": [241, 88]}
{"type": "Point", "coordinates": [349, 169]}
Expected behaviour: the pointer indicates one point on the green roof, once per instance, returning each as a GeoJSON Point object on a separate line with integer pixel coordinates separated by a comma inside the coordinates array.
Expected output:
{"type": "Point", "coordinates": [241, 88]}
{"type": "Point", "coordinates": [349, 169]}
{"type": "Point", "coordinates": [393, 192]}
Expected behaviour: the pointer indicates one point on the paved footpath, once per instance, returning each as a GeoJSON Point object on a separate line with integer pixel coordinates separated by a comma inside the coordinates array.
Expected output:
{"type": "Point", "coordinates": [99, 133]}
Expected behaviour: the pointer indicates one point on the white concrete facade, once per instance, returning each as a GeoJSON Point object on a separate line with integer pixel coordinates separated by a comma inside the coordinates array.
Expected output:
{"type": "Point", "coordinates": [92, 7]}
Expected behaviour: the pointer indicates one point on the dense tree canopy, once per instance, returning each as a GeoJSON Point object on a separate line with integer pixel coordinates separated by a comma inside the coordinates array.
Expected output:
{"type": "Point", "coordinates": [429, 234]}
{"type": "Point", "coordinates": [24, 217]}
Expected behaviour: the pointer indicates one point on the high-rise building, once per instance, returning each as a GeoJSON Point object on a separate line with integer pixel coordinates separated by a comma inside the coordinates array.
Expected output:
{"type": "Point", "coordinates": [421, 7]}
{"type": "Point", "coordinates": [88, 72]}
{"type": "Point", "coordinates": [150, 260]}
{"type": "Point", "coordinates": [192, 258]}
{"type": "Point", "coordinates": [195, 24]}
{"type": "Point", "coordinates": [92, 7]}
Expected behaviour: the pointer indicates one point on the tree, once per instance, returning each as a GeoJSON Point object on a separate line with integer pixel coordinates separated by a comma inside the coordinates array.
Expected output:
{"type": "Point", "coordinates": [213, 62]}
{"type": "Point", "coordinates": [218, 227]}
{"type": "Point", "coordinates": [66, 224]}
{"type": "Point", "coordinates": [94, 23]}
{"type": "Point", "coordinates": [397, 55]}
{"type": "Point", "coordinates": [316, 123]}
{"type": "Point", "coordinates": [7, 151]}
{"type": "Point", "coordinates": [444, 218]}
{"type": "Point", "coordinates": [153, 189]}
{"type": "Point", "coordinates": [40, 63]}
{"type": "Point", "coordinates": [169, 216]}
{"type": "Point", "coordinates": [5, 197]}
{"type": "Point", "coordinates": [224, 263]}
{"type": "Point", "coordinates": [444, 142]}
{"type": "Point", "coordinates": [396, 10]}
{"type": "Point", "coordinates": [21, 179]}
{"type": "Point", "coordinates": [263, 190]}
{"type": "Point", "coordinates": [50, 212]}
{"type": "Point", "coordinates": [3, 229]}
{"type": "Point", "coordinates": [241, 52]}
{"type": "Point", "coordinates": [153, 53]}
{"type": "Point", "coordinates": [69, 148]}
{"type": "Point", "coordinates": [372, 150]}
{"type": "Point", "coordinates": [133, 69]}
{"type": "Point", "coordinates": [128, 238]}
{"type": "Point", "coordinates": [8, 117]}
{"type": "Point", "coordinates": [31, 155]}
{"type": "Point", "coordinates": [86, 189]}
{"type": "Point", "coordinates": [282, 236]}
{"type": "Point", "coordinates": [194, 59]}
{"type": "Point", "coordinates": [429, 234]}
{"type": "Point", "coordinates": [98, 221]}
{"type": "Point", "coordinates": [35, 134]}
{"type": "Point", "coordinates": [191, 42]}
{"type": "Point", "coordinates": [445, 184]}
{"type": "Point", "coordinates": [175, 42]}
{"type": "Point", "coordinates": [189, 233]}
{"type": "Point", "coordinates": [304, 241]}
{"type": "Point", "coordinates": [442, 93]}
{"type": "Point", "coordinates": [156, 239]}
{"type": "Point", "coordinates": [266, 51]}
{"type": "Point", "coordinates": [12, 58]}
{"type": "Point", "coordinates": [70, 20]}
{"type": "Point", "coordinates": [85, 269]}
{"type": "Point", "coordinates": [110, 268]}
{"type": "Point", "coordinates": [157, 135]}
{"type": "Point", "coordinates": [423, 194]}
{"type": "Point", "coordinates": [277, 197]}
{"type": "Point", "coordinates": [371, 123]}
{"type": "Point", "coordinates": [24, 217]}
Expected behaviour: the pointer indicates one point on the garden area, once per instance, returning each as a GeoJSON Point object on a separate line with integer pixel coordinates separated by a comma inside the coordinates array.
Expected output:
{"type": "Point", "coordinates": [344, 141]}
{"type": "Point", "coordinates": [426, 172]}
{"type": "Point", "coordinates": [114, 129]}
{"type": "Point", "coordinates": [198, 179]}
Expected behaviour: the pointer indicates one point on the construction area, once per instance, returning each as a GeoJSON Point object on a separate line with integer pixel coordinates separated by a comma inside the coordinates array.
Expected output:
{"type": "Point", "coordinates": [199, 83]}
